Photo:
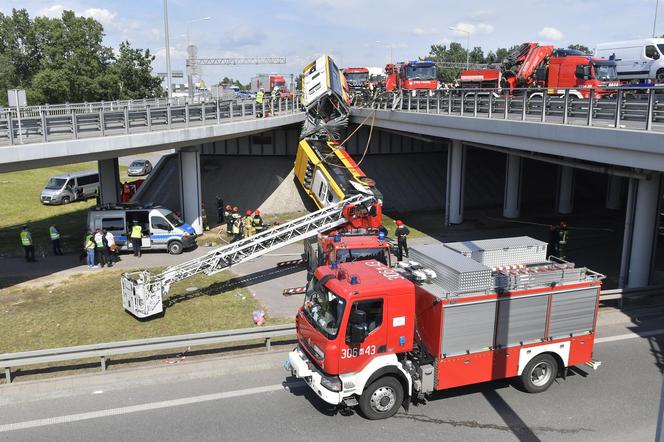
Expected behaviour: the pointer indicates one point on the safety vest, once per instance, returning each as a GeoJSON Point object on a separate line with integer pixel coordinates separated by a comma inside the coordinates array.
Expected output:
{"type": "Point", "coordinates": [236, 227]}
{"type": "Point", "coordinates": [26, 238]}
{"type": "Point", "coordinates": [99, 241]}
{"type": "Point", "coordinates": [259, 97]}
{"type": "Point", "coordinates": [89, 244]}
{"type": "Point", "coordinates": [563, 234]}
{"type": "Point", "coordinates": [258, 221]}
{"type": "Point", "coordinates": [53, 232]}
{"type": "Point", "coordinates": [136, 232]}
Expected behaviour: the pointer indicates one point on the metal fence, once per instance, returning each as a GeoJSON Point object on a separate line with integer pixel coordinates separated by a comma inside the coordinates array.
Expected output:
{"type": "Point", "coordinates": [104, 351]}
{"type": "Point", "coordinates": [636, 108]}
{"type": "Point", "coordinates": [41, 124]}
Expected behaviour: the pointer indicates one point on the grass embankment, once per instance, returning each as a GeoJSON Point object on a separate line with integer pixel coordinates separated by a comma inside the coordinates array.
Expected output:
{"type": "Point", "coordinates": [20, 205]}
{"type": "Point", "coordinates": [87, 309]}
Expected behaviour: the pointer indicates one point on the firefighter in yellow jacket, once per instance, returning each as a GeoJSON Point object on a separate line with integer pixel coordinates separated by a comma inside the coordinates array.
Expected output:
{"type": "Point", "coordinates": [248, 222]}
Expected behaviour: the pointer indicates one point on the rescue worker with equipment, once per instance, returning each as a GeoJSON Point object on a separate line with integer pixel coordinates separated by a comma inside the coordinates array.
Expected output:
{"type": "Point", "coordinates": [401, 233]}
{"type": "Point", "coordinates": [257, 222]}
{"type": "Point", "coordinates": [248, 222]}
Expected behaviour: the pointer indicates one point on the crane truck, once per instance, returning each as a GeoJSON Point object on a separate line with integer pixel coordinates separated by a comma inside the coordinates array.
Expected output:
{"type": "Point", "coordinates": [455, 314]}
{"type": "Point", "coordinates": [542, 66]}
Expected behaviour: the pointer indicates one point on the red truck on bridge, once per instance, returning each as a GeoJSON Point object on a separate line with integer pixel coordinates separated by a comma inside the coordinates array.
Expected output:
{"type": "Point", "coordinates": [535, 66]}
{"type": "Point", "coordinates": [411, 76]}
{"type": "Point", "coordinates": [380, 337]}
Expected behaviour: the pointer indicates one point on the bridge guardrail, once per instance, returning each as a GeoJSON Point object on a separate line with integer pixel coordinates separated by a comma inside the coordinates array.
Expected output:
{"type": "Point", "coordinates": [105, 350]}
{"type": "Point", "coordinates": [636, 108]}
{"type": "Point", "coordinates": [74, 121]}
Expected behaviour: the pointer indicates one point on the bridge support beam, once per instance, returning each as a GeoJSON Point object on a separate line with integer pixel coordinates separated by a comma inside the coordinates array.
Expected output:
{"type": "Point", "coordinates": [109, 181]}
{"type": "Point", "coordinates": [566, 190]}
{"type": "Point", "coordinates": [189, 160]}
{"type": "Point", "coordinates": [614, 186]}
{"type": "Point", "coordinates": [513, 174]}
{"type": "Point", "coordinates": [456, 171]}
{"type": "Point", "coordinates": [641, 224]}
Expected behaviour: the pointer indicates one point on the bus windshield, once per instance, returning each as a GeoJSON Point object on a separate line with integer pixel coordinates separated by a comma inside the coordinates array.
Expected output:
{"type": "Point", "coordinates": [322, 308]}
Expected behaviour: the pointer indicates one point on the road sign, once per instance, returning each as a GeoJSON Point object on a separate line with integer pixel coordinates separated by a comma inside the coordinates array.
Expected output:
{"type": "Point", "coordinates": [16, 97]}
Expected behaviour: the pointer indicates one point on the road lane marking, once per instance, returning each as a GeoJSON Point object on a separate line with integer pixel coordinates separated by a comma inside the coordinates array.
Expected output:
{"type": "Point", "coordinates": [137, 408]}
{"type": "Point", "coordinates": [217, 396]}
{"type": "Point", "coordinates": [644, 334]}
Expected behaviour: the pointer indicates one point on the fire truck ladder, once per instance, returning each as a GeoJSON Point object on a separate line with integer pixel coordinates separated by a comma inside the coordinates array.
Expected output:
{"type": "Point", "coordinates": [143, 292]}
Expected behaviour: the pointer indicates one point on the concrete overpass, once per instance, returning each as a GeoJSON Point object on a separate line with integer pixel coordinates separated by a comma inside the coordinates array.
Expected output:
{"type": "Point", "coordinates": [623, 152]}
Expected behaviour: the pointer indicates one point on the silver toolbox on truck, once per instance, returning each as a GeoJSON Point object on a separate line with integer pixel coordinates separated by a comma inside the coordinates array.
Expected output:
{"type": "Point", "coordinates": [502, 251]}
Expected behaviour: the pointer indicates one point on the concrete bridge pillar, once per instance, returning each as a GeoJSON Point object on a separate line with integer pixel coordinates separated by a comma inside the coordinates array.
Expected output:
{"type": "Point", "coordinates": [109, 181]}
{"type": "Point", "coordinates": [614, 186]}
{"type": "Point", "coordinates": [456, 171]}
{"type": "Point", "coordinates": [189, 160]}
{"type": "Point", "coordinates": [513, 174]}
{"type": "Point", "coordinates": [641, 225]}
{"type": "Point", "coordinates": [566, 190]}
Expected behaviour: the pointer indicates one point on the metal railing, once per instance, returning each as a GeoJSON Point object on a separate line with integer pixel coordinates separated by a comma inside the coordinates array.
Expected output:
{"type": "Point", "coordinates": [41, 124]}
{"type": "Point", "coordinates": [104, 351]}
{"type": "Point", "coordinates": [633, 108]}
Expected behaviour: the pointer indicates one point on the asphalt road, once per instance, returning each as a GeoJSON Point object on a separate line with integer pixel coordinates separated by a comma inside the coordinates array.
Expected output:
{"type": "Point", "coordinates": [251, 398]}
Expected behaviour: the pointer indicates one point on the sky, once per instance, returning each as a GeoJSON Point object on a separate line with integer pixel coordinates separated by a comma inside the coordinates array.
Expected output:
{"type": "Point", "coordinates": [354, 32]}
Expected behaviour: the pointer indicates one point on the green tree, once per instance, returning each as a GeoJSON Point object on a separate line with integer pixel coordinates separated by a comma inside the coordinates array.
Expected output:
{"type": "Point", "coordinates": [65, 60]}
{"type": "Point", "coordinates": [133, 69]}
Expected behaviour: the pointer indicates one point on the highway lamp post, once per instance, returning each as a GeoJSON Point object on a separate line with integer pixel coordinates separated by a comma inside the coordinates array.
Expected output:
{"type": "Point", "coordinates": [168, 52]}
{"type": "Point", "coordinates": [190, 76]}
{"type": "Point", "coordinates": [654, 23]}
{"type": "Point", "coordinates": [457, 29]}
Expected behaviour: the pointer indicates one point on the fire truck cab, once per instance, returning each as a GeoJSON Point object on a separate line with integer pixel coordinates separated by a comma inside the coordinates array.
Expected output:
{"type": "Point", "coordinates": [455, 314]}
{"type": "Point", "coordinates": [411, 76]}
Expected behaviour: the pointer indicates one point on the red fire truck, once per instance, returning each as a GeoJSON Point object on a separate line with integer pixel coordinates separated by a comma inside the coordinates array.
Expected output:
{"type": "Point", "coordinates": [532, 65]}
{"type": "Point", "coordinates": [455, 314]}
{"type": "Point", "coordinates": [411, 76]}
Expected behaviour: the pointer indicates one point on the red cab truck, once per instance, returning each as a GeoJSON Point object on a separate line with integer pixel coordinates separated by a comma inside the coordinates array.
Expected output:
{"type": "Point", "coordinates": [411, 76]}
{"type": "Point", "coordinates": [457, 314]}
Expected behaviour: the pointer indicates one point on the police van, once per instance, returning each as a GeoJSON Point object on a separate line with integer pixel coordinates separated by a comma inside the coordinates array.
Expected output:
{"type": "Point", "coordinates": [162, 229]}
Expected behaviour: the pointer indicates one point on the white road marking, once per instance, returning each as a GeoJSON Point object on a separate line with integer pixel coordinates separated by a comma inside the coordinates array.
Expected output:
{"type": "Point", "coordinates": [137, 408]}
{"type": "Point", "coordinates": [216, 396]}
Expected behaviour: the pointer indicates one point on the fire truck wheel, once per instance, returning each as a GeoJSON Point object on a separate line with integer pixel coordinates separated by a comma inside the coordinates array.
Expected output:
{"type": "Point", "coordinates": [540, 373]}
{"type": "Point", "coordinates": [175, 247]}
{"type": "Point", "coordinates": [382, 398]}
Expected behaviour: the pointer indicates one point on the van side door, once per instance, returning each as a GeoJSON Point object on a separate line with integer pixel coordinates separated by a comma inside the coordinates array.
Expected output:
{"type": "Point", "coordinates": [651, 56]}
{"type": "Point", "coordinates": [353, 357]}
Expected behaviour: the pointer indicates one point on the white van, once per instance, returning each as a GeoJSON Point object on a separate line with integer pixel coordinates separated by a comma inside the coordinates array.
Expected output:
{"type": "Point", "coordinates": [641, 59]}
{"type": "Point", "coordinates": [75, 186]}
{"type": "Point", "coordinates": [162, 229]}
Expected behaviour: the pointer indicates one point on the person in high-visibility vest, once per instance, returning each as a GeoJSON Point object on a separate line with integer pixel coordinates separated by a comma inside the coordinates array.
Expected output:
{"type": "Point", "coordinates": [28, 246]}
{"type": "Point", "coordinates": [103, 255]}
{"type": "Point", "coordinates": [236, 229]}
{"type": "Point", "coordinates": [257, 221]}
{"type": "Point", "coordinates": [248, 224]}
{"type": "Point", "coordinates": [260, 95]}
{"type": "Point", "coordinates": [136, 237]}
{"type": "Point", "coordinates": [54, 233]}
{"type": "Point", "coordinates": [228, 216]}
{"type": "Point", "coordinates": [89, 247]}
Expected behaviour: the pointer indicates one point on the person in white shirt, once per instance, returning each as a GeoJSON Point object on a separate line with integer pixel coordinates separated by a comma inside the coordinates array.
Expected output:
{"type": "Point", "coordinates": [113, 249]}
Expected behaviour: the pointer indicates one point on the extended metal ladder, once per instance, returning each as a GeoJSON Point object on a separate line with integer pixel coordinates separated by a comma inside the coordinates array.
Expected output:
{"type": "Point", "coordinates": [143, 292]}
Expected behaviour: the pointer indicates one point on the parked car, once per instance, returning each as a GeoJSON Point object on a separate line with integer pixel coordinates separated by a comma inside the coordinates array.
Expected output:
{"type": "Point", "coordinates": [75, 186]}
{"type": "Point", "coordinates": [139, 168]}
